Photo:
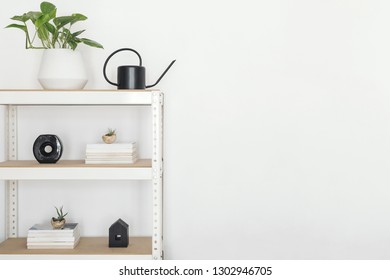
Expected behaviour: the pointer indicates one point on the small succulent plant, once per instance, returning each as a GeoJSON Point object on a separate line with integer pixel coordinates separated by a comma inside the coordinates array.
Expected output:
{"type": "Point", "coordinates": [60, 213]}
{"type": "Point", "coordinates": [110, 132]}
{"type": "Point", "coordinates": [109, 137]}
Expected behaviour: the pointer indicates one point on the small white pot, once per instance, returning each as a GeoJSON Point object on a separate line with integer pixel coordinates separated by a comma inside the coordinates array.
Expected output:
{"type": "Point", "coordinates": [62, 69]}
{"type": "Point", "coordinates": [109, 139]}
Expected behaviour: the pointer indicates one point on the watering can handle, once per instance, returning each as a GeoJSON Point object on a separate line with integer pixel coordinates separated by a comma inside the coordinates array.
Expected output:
{"type": "Point", "coordinates": [111, 55]}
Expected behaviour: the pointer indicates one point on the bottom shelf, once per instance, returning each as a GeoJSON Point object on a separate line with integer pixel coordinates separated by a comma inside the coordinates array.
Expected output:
{"type": "Point", "coordinates": [90, 247]}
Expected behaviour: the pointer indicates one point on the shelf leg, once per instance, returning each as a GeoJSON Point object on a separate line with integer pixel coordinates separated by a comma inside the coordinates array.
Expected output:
{"type": "Point", "coordinates": [157, 166]}
{"type": "Point", "coordinates": [12, 209]}
{"type": "Point", "coordinates": [12, 186]}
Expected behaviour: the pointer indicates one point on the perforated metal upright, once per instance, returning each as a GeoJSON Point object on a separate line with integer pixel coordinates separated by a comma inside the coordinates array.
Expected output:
{"type": "Point", "coordinates": [11, 185]}
{"type": "Point", "coordinates": [157, 167]}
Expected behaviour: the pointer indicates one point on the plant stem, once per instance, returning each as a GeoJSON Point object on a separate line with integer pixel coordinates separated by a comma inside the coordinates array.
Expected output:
{"type": "Point", "coordinates": [28, 37]}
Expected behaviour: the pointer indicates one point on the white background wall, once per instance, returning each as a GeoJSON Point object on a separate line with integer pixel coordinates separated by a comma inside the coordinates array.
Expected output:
{"type": "Point", "coordinates": [276, 126]}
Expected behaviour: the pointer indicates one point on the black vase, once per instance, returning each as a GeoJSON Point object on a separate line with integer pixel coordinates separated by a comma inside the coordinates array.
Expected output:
{"type": "Point", "coordinates": [47, 148]}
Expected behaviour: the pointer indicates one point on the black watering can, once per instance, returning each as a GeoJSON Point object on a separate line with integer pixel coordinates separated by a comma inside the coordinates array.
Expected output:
{"type": "Point", "coordinates": [131, 76]}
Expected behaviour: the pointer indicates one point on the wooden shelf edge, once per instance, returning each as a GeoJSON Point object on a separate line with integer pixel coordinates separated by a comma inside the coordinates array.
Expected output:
{"type": "Point", "coordinates": [78, 97]}
{"type": "Point", "coordinates": [88, 246]}
{"type": "Point", "coordinates": [79, 90]}
{"type": "Point", "coordinates": [74, 170]}
{"type": "Point", "coordinates": [141, 163]}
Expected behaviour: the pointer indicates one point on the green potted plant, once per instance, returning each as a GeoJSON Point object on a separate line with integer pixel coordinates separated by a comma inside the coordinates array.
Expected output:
{"type": "Point", "coordinates": [62, 66]}
{"type": "Point", "coordinates": [109, 137]}
{"type": "Point", "coordinates": [59, 222]}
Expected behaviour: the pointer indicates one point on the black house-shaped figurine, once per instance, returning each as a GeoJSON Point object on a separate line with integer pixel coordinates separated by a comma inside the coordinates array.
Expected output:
{"type": "Point", "coordinates": [119, 234]}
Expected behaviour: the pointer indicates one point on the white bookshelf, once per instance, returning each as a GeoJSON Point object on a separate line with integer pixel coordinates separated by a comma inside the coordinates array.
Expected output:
{"type": "Point", "coordinates": [12, 170]}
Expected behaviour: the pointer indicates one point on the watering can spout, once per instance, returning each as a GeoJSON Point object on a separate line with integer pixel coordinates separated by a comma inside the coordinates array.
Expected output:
{"type": "Point", "coordinates": [162, 75]}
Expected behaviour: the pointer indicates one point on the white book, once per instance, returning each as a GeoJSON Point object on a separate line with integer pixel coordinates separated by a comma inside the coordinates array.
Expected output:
{"type": "Point", "coordinates": [114, 152]}
{"type": "Point", "coordinates": [112, 147]}
{"type": "Point", "coordinates": [109, 153]}
{"type": "Point", "coordinates": [53, 245]}
{"type": "Point", "coordinates": [87, 161]}
{"type": "Point", "coordinates": [45, 247]}
{"type": "Point", "coordinates": [112, 157]}
{"type": "Point", "coordinates": [38, 240]}
{"type": "Point", "coordinates": [53, 239]}
{"type": "Point", "coordinates": [113, 161]}
{"type": "Point", "coordinates": [122, 156]}
{"type": "Point", "coordinates": [46, 230]}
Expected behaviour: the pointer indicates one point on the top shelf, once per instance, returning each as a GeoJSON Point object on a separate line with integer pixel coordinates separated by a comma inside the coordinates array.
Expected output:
{"type": "Point", "coordinates": [80, 97]}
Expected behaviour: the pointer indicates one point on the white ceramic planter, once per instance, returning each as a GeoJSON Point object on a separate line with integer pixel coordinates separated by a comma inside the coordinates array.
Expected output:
{"type": "Point", "coordinates": [62, 69]}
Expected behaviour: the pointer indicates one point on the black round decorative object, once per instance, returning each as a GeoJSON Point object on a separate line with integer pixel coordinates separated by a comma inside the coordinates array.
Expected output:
{"type": "Point", "coordinates": [47, 148]}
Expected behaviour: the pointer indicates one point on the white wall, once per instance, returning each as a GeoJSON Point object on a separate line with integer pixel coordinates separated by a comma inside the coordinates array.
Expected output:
{"type": "Point", "coordinates": [277, 123]}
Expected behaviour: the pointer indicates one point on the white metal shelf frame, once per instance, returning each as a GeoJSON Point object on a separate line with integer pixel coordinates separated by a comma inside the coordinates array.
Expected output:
{"type": "Point", "coordinates": [12, 185]}
{"type": "Point", "coordinates": [12, 98]}
{"type": "Point", "coordinates": [157, 167]}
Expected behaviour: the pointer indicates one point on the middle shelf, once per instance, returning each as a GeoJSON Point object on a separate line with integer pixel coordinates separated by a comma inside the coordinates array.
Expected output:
{"type": "Point", "coordinates": [74, 170]}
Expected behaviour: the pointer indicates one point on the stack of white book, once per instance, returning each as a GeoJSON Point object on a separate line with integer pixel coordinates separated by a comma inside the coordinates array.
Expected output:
{"type": "Point", "coordinates": [120, 153]}
{"type": "Point", "coordinates": [43, 236]}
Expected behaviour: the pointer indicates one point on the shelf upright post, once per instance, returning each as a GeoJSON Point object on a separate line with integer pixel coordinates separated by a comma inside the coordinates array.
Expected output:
{"type": "Point", "coordinates": [12, 185]}
{"type": "Point", "coordinates": [157, 167]}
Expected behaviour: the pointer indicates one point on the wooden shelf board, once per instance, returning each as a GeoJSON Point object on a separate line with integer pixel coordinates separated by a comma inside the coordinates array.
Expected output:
{"type": "Point", "coordinates": [87, 246]}
{"type": "Point", "coordinates": [74, 170]}
{"type": "Point", "coordinates": [71, 164]}
{"type": "Point", "coordinates": [78, 91]}
{"type": "Point", "coordinates": [79, 97]}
